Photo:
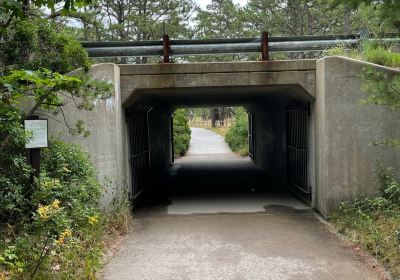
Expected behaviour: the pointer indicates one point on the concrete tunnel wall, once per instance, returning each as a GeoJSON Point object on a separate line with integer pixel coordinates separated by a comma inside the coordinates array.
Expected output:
{"type": "Point", "coordinates": [344, 131]}
{"type": "Point", "coordinates": [269, 133]}
{"type": "Point", "coordinates": [341, 130]}
{"type": "Point", "coordinates": [107, 143]}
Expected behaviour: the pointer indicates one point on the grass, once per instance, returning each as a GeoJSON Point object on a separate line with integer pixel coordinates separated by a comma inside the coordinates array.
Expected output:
{"type": "Point", "coordinates": [243, 150]}
{"type": "Point", "coordinates": [374, 52]}
{"type": "Point", "coordinates": [375, 230]}
{"type": "Point", "coordinates": [220, 130]}
{"type": "Point", "coordinates": [374, 224]}
{"type": "Point", "coordinates": [380, 55]}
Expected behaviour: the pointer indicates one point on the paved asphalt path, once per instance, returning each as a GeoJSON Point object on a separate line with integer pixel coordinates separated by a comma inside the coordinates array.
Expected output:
{"type": "Point", "coordinates": [226, 220]}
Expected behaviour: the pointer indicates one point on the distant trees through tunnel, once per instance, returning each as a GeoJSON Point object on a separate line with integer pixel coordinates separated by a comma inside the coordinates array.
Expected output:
{"type": "Point", "coordinates": [230, 123]}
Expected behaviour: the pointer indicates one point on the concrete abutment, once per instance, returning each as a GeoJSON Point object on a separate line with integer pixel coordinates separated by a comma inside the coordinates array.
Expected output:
{"type": "Point", "coordinates": [339, 130]}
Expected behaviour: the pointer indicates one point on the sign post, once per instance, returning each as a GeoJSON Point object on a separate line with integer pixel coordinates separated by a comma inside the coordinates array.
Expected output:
{"type": "Point", "coordinates": [39, 139]}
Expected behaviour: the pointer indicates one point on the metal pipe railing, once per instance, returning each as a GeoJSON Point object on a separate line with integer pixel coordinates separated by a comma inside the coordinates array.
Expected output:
{"type": "Point", "coordinates": [267, 44]}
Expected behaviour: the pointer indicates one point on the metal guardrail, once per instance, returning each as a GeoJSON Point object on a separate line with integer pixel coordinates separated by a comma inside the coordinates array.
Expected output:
{"type": "Point", "coordinates": [266, 44]}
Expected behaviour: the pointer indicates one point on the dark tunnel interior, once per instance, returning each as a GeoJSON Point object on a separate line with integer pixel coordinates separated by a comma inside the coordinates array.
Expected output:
{"type": "Point", "coordinates": [280, 131]}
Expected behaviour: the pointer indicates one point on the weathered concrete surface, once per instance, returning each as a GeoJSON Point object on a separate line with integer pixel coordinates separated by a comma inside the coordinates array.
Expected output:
{"type": "Point", "coordinates": [217, 67]}
{"type": "Point", "coordinates": [262, 237]}
{"type": "Point", "coordinates": [215, 76]}
{"type": "Point", "coordinates": [344, 132]}
{"type": "Point", "coordinates": [270, 146]}
{"type": "Point", "coordinates": [106, 123]}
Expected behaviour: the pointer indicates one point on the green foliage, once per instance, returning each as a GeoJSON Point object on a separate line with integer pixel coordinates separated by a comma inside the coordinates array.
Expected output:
{"type": "Point", "coordinates": [69, 164]}
{"type": "Point", "coordinates": [138, 20]}
{"type": "Point", "coordinates": [342, 51]}
{"type": "Point", "coordinates": [237, 136]}
{"type": "Point", "coordinates": [382, 87]}
{"type": "Point", "coordinates": [61, 218]}
{"type": "Point", "coordinates": [386, 10]}
{"type": "Point", "coordinates": [214, 22]}
{"type": "Point", "coordinates": [15, 188]}
{"type": "Point", "coordinates": [39, 43]}
{"type": "Point", "coordinates": [297, 17]}
{"type": "Point", "coordinates": [51, 229]}
{"type": "Point", "coordinates": [181, 131]}
{"type": "Point", "coordinates": [11, 10]}
{"type": "Point", "coordinates": [374, 223]}
{"type": "Point", "coordinates": [43, 85]}
{"type": "Point", "coordinates": [18, 7]}
{"type": "Point", "coordinates": [65, 237]}
{"type": "Point", "coordinates": [390, 186]}
{"type": "Point", "coordinates": [53, 226]}
{"type": "Point", "coordinates": [49, 90]}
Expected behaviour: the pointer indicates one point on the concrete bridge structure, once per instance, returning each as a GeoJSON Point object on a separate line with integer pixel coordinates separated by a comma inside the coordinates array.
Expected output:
{"type": "Point", "coordinates": [308, 129]}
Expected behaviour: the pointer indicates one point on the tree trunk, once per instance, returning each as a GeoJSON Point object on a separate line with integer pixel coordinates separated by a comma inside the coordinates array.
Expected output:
{"type": "Point", "coordinates": [214, 116]}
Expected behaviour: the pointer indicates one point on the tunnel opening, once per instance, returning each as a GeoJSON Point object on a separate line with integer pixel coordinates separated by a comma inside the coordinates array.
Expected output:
{"type": "Point", "coordinates": [209, 133]}
{"type": "Point", "coordinates": [278, 140]}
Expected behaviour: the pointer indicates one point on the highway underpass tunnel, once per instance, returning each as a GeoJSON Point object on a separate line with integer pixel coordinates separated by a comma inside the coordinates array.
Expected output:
{"type": "Point", "coordinates": [278, 141]}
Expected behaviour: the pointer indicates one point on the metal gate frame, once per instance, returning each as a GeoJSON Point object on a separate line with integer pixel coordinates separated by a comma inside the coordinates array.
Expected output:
{"type": "Point", "coordinates": [171, 138]}
{"type": "Point", "coordinates": [297, 115]}
{"type": "Point", "coordinates": [251, 138]}
{"type": "Point", "coordinates": [139, 157]}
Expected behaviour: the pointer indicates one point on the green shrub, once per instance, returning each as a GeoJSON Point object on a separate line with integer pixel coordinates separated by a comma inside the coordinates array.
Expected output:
{"type": "Point", "coordinates": [374, 223]}
{"type": "Point", "coordinates": [237, 136]}
{"type": "Point", "coordinates": [61, 234]}
{"type": "Point", "coordinates": [181, 131]}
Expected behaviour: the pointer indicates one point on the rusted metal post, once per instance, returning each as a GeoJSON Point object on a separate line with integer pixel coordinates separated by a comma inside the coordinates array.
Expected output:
{"type": "Point", "coordinates": [264, 46]}
{"type": "Point", "coordinates": [166, 48]}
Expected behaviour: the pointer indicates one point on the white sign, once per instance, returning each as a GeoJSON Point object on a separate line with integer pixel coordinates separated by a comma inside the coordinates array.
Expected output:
{"type": "Point", "coordinates": [38, 128]}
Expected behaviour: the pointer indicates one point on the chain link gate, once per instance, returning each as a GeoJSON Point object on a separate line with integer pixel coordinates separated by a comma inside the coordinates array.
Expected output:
{"type": "Point", "coordinates": [297, 148]}
{"type": "Point", "coordinates": [137, 119]}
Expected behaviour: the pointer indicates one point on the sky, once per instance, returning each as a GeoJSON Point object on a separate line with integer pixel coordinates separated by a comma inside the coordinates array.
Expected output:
{"type": "Point", "coordinates": [204, 3]}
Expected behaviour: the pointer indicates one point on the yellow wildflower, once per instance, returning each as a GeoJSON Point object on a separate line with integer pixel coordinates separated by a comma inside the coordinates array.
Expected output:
{"type": "Point", "coordinates": [55, 204]}
{"type": "Point", "coordinates": [93, 219]}
{"type": "Point", "coordinates": [60, 241]}
{"type": "Point", "coordinates": [65, 234]}
{"type": "Point", "coordinates": [44, 212]}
